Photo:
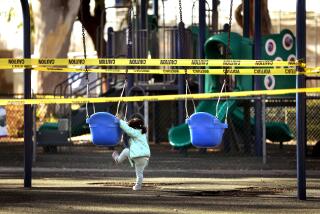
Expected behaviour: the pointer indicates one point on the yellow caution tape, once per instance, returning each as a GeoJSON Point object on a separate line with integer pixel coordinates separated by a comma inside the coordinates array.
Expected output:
{"type": "Point", "coordinates": [155, 97]}
{"type": "Point", "coordinates": [7, 67]}
{"type": "Point", "coordinates": [16, 62]}
{"type": "Point", "coordinates": [39, 96]}
{"type": "Point", "coordinates": [217, 71]}
{"type": "Point", "coordinates": [43, 96]}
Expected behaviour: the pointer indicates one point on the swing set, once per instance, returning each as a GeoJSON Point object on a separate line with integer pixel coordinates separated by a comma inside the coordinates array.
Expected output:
{"type": "Point", "coordinates": [206, 130]}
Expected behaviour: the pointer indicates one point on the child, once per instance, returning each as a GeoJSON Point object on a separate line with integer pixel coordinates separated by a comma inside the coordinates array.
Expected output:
{"type": "Point", "coordinates": [138, 151]}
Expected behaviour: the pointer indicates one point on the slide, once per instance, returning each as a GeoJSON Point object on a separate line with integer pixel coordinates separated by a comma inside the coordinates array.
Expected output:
{"type": "Point", "coordinates": [179, 136]}
{"type": "Point", "coordinates": [275, 131]}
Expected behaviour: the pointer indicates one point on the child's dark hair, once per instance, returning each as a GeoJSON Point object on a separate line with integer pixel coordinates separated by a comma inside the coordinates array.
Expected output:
{"type": "Point", "coordinates": [137, 123]}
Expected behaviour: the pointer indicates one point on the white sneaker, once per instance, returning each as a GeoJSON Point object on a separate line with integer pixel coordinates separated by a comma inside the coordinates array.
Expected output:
{"type": "Point", "coordinates": [136, 187]}
{"type": "Point", "coordinates": [115, 156]}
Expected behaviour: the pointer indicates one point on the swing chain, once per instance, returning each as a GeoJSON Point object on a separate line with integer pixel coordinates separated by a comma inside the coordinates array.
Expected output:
{"type": "Point", "coordinates": [129, 36]}
{"type": "Point", "coordinates": [129, 41]}
{"type": "Point", "coordinates": [85, 66]}
{"type": "Point", "coordinates": [180, 42]}
{"type": "Point", "coordinates": [180, 30]}
{"type": "Point", "coordinates": [225, 80]}
{"type": "Point", "coordinates": [121, 95]}
{"type": "Point", "coordinates": [186, 100]}
{"type": "Point", "coordinates": [86, 73]}
{"type": "Point", "coordinates": [164, 29]}
{"type": "Point", "coordinates": [84, 49]}
{"type": "Point", "coordinates": [229, 42]}
{"type": "Point", "coordinates": [181, 37]}
{"type": "Point", "coordinates": [229, 30]}
{"type": "Point", "coordinates": [228, 55]}
{"type": "Point", "coordinates": [180, 10]}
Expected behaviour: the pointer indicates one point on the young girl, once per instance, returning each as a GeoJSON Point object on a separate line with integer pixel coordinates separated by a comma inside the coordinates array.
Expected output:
{"type": "Point", "coordinates": [138, 151]}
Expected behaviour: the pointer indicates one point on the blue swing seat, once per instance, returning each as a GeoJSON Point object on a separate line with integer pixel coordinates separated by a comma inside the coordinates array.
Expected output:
{"type": "Point", "coordinates": [205, 130]}
{"type": "Point", "coordinates": [104, 128]}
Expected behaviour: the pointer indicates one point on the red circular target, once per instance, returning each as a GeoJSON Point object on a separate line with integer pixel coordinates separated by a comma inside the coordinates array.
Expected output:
{"type": "Point", "coordinates": [287, 41]}
{"type": "Point", "coordinates": [269, 82]}
{"type": "Point", "coordinates": [270, 47]}
{"type": "Point", "coordinates": [291, 58]}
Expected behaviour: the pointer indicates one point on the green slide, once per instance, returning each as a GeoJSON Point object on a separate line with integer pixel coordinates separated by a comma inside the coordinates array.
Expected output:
{"type": "Point", "coordinates": [275, 131]}
{"type": "Point", "coordinates": [179, 136]}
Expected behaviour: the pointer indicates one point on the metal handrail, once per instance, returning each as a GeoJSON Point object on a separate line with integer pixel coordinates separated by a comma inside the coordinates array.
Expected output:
{"type": "Point", "coordinates": [61, 84]}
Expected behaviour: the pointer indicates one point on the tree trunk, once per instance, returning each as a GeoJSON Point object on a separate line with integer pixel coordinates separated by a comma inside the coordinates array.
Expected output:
{"type": "Point", "coordinates": [266, 25]}
{"type": "Point", "coordinates": [53, 21]}
{"type": "Point", "coordinates": [94, 24]}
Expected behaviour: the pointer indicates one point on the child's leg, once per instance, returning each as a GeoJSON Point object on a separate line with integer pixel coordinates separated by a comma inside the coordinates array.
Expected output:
{"type": "Point", "coordinates": [140, 165]}
{"type": "Point", "coordinates": [123, 155]}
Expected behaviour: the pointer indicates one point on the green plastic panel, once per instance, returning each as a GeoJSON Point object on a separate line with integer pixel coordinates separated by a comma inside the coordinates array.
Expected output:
{"type": "Point", "coordinates": [274, 47]}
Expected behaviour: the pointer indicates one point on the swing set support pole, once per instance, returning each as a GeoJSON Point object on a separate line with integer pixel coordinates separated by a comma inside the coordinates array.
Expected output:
{"type": "Point", "coordinates": [257, 79]}
{"type": "Point", "coordinates": [202, 38]}
{"type": "Point", "coordinates": [181, 78]}
{"type": "Point", "coordinates": [301, 99]}
{"type": "Point", "coordinates": [129, 55]}
{"type": "Point", "coordinates": [214, 15]}
{"type": "Point", "coordinates": [109, 50]}
{"type": "Point", "coordinates": [156, 8]}
{"type": "Point", "coordinates": [246, 18]}
{"type": "Point", "coordinates": [28, 144]}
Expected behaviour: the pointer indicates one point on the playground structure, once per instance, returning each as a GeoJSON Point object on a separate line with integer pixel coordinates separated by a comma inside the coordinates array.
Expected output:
{"type": "Point", "coordinates": [167, 84]}
{"type": "Point", "coordinates": [274, 48]}
{"type": "Point", "coordinates": [140, 84]}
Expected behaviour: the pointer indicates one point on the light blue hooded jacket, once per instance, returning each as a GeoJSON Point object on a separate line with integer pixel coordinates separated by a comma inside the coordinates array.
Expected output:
{"type": "Point", "coordinates": [138, 143]}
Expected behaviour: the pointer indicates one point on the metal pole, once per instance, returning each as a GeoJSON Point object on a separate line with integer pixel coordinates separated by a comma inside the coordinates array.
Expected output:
{"type": "Point", "coordinates": [143, 14]}
{"type": "Point", "coordinates": [156, 8]}
{"type": "Point", "coordinates": [257, 79]}
{"type": "Point", "coordinates": [28, 144]}
{"type": "Point", "coordinates": [246, 18]}
{"type": "Point", "coordinates": [34, 132]}
{"type": "Point", "coordinates": [142, 30]}
{"type": "Point", "coordinates": [164, 29]}
{"type": "Point", "coordinates": [110, 42]}
{"type": "Point", "coordinates": [109, 51]}
{"type": "Point", "coordinates": [214, 18]}
{"type": "Point", "coordinates": [301, 99]}
{"type": "Point", "coordinates": [246, 34]}
{"type": "Point", "coordinates": [202, 38]}
{"type": "Point", "coordinates": [129, 55]}
{"type": "Point", "coordinates": [264, 145]}
{"type": "Point", "coordinates": [316, 38]}
{"type": "Point", "coordinates": [181, 78]}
